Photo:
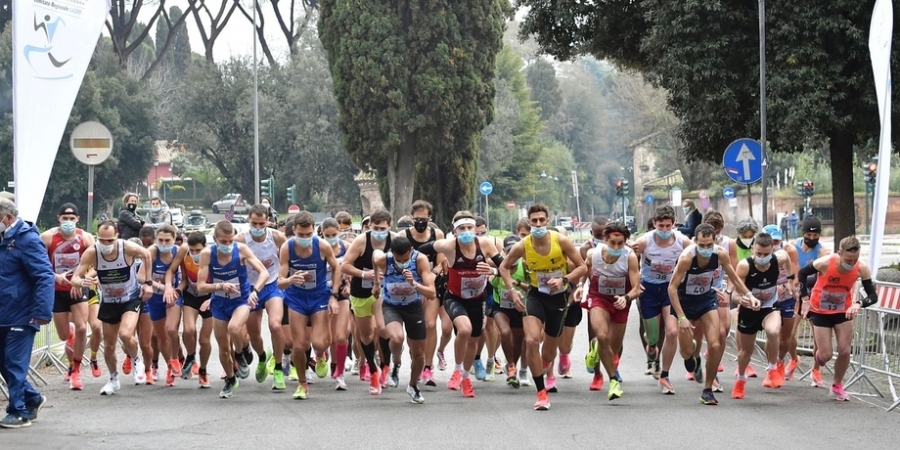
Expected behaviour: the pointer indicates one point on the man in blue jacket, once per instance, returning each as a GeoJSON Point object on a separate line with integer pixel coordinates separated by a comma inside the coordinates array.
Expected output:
{"type": "Point", "coordinates": [26, 303]}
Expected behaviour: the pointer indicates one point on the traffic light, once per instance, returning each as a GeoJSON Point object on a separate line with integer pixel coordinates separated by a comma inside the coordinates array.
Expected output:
{"type": "Point", "coordinates": [871, 172]}
{"type": "Point", "coordinates": [811, 189]}
{"type": "Point", "coordinates": [625, 189]}
{"type": "Point", "coordinates": [292, 195]}
{"type": "Point", "coordinates": [619, 188]}
{"type": "Point", "coordinates": [267, 187]}
{"type": "Point", "coordinates": [806, 188]}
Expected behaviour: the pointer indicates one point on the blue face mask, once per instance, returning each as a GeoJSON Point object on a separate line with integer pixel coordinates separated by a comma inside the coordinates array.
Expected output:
{"type": "Point", "coordinates": [466, 237]}
{"type": "Point", "coordinates": [304, 242]}
{"type": "Point", "coordinates": [155, 209]}
{"type": "Point", "coordinates": [538, 232]}
{"type": "Point", "coordinates": [224, 249]}
{"type": "Point", "coordinates": [380, 235]}
{"type": "Point", "coordinates": [762, 261]}
{"type": "Point", "coordinates": [664, 234]}
{"type": "Point", "coordinates": [257, 232]}
{"type": "Point", "coordinates": [67, 227]}
{"type": "Point", "coordinates": [164, 248]}
{"type": "Point", "coordinates": [596, 242]}
{"type": "Point", "coordinates": [196, 257]}
{"type": "Point", "coordinates": [401, 265]}
{"type": "Point", "coordinates": [333, 241]}
{"type": "Point", "coordinates": [615, 252]}
{"type": "Point", "coordinates": [705, 252]}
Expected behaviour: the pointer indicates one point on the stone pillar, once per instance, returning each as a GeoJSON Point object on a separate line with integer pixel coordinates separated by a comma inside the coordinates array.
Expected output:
{"type": "Point", "coordinates": [369, 194]}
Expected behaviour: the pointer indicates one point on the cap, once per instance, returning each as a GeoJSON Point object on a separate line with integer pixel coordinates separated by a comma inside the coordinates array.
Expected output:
{"type": "Point", "coordinates": [774, 231]}
{"type": "Point", "coordinates": [812, 224]}
{"type": "Point", "coordinates": [68, 208]}
{"type": "Point", "coordinates": [8, 196]}
{"type": "Point", "coordinates": [510, 241]}
{"type": "Point", "coordinates": [366, 219]}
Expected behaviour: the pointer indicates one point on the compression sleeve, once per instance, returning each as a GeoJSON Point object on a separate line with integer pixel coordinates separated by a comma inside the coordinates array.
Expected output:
{"type": "Point", "coordinates": [427, 249]}
{"type": "Point", "coordinates": [871, 294]}
{"type": "Point", "coordinates": [497, 259]}
{"type": "Point", "coordinates": [804, 273]}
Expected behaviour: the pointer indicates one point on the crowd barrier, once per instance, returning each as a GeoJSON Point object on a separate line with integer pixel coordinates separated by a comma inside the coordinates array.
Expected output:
{"type": "Point", "coordinates": [47, 352]}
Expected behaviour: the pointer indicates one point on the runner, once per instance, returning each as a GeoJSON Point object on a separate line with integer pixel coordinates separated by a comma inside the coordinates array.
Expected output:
{"type": "Point", "coordinates": [831, 307]}
{"type": "Point", "coordinates": [340, 322]}
{"type": "Point", "coordinates": [490, 336]}
{"type": "Point", "coordinates": [545, 255]}
{"type": "Point", "coordinates": [614, 282]}
{"type": "Point", "coordinates": [407, 280]}
{"type": "Point", "coordinates": [302, 274]}
{"type": "Point", "coordinates": [507, 317]}
{"type": "Point", "coordinates": [808, 250]}
{"type": "Point", "coordinates": [223, 273]}
{"type": "Point", "coordinates": [760, 273]}
{"type": "Point", "coordinates": [194, 304]}
{"type": "Point", "coordinates": [265, 243]}
{"type": "Point", "coordinates": [165, 310]}
{"type": "Point", "coordinates": [146, 339]}
{"type": "Point", "coordinates": [65, 245]}
{"type": "Point", "coordinates": [659, 250]}
{"type": "Point", "coordinates": [573, 318]}
{"type": "Point", "coordinates": [694, 302]}
{"type": "Point", "coordinates": [523, 230]}
{"type": "Point", "coordinates": [122, 297]}
{"type": "Point", "coordinates": [788, 291]}
{"type": "Point", "coordinates": [465, 296]}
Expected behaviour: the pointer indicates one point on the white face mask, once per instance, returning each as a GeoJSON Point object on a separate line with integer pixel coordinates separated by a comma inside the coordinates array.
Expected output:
{"type": "Point", "coordinates": [106, 249]}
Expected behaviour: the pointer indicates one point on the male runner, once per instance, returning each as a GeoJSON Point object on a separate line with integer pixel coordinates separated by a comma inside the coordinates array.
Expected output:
{"type": "Point", "coordinates": [507, 317]}
{"type": "Point", "coordinates": [545, 254]}
{"type": "Point", "coordinates": [788, 291]}
{"type": "Point", "coordinates": [407, 279]}
{"type": "Point", "coordinates": [808, 250]}
{"type": "Point", "coordinates": [490, 336]}
{"type": "Point", "coordinates": [165, 310]}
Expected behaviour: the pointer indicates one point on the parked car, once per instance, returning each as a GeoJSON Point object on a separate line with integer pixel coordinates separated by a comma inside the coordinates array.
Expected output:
{"type": "Point", "coordinates": [177, 217]}
{"type": "Point", "coordinates": [233, 202]}
{"type": "Point", "coordinates": [195, 221]}
{"type": "Point", "coordinates": [142, 210]}
{"type": "Point", "coordinates": [565, 222]}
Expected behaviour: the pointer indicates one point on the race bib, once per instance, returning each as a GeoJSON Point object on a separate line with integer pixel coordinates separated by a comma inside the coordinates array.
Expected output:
{"type": "Point", "coordinates": [768, 297]}
{"type": "Point", "coordinates": [661, 271]}
{"type": "Point", "coordinates": [506, 299]}
{"type": "Point", "coordinates": [611, 285]}
{"type": "Point", "coordinates": [310, 282]}
{"type": "Point", "coordinates": [224, 294]}
{"type": "Point", "coordinates": [367, 284]}
{"type": "Point", "coordinates": [401, 293]}
{"type": "Point", "coordinates": [699, 283]}
{"type": "Point", "coordinates": [115, 293]}
{"type": "Point", "coordinates": [544, 278]}
{"type": "Point", "coordinates": [833, 301]}
{"type": "Point", "coordinates": [472, 287]}
{"type": "Point", "coordinates": [65, 262]}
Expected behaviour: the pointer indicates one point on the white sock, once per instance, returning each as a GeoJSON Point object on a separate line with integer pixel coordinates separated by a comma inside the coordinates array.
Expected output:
{"type": "Point", "coordinates": [459, 368]}
{"type": "Point", "coordinates": [771, 367]}
{"type": "Point", "coordinates": [465, 374]}
{"type": "Point", "coordinates": [742, 377]}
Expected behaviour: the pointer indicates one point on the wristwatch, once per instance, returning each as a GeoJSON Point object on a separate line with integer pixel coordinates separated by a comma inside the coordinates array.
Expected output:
{"type": "Point", "coordinates": [149, 283]}
{"type": "Point", "coordinates": [254, 289]}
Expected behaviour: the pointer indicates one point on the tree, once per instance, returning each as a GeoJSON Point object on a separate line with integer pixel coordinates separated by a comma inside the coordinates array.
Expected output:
{"type": "Point", "coordinates": [544, 87]}
{"type": "Point", "coordinates": [706, 56]}
{"type": "Point", "coordinates": [216, 23]}
{"type": "Point", "coordinates": [5, 15]}
{"type": "Point", "coordinates": [179, 57]}
{"type": "Point", "coordinates": [291, 26]}
{"type": "Point", "coordinates": [128, 34]}
{"type": "Point", "coordinates": [414, 81]}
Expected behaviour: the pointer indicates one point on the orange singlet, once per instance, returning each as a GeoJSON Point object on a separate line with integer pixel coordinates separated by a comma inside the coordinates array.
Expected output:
{"type": "Point", "coordinates": [832, 293]}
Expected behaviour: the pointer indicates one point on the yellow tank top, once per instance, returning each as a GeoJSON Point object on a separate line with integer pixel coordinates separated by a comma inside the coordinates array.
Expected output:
{"type": "Point", "coordinates": [542, 268]}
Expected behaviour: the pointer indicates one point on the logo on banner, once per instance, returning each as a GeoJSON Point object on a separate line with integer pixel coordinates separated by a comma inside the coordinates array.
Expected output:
{"type": "Point", "coordinates": [47, 59]}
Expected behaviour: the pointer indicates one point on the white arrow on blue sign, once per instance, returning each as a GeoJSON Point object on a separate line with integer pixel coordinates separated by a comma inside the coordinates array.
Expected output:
{"type": "Point", "coordinates": [486, 188]}
{"type": "Point", "coordinates": [743, 161]}
{"type": "Point", "coordinates": [649, 199]}
{"type": "Point", "coordinates": [728, 192]}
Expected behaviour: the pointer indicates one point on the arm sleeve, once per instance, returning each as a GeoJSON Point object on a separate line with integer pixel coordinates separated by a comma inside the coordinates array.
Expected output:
{"type": "Point", "coordinates": [427, 249]}
{"type": "Point", "coordinates": [497, 259]}
{"type": "Point", "coordinates": [36, 263]}
{"type": "Point", "coordinates": [871, 294]}
{"type": "Point", "coordinates": [805, 273]}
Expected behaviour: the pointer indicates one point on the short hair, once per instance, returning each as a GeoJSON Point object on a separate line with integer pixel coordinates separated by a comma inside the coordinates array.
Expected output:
{"type": "Point", "coordinates": [763, 240]}
{"type": "Point", "coordinates": [400, 245]}
{"type": "Point", "coordinates": [538, 207]}
{"type": "Point", "coordinates": [616, 226]}
{"type": "Point", "coordinates": [329, 223]}
{"type": "Point", "coordinates": [849, 244]}
{"type": "Point", "coordinates": [479, 221]}
{"type": "Point", "coordinates": [223, 227]}
{"type": "Point", "coordinates": [147, 232]}
{"type": "Point", "coordinates": [135, 240]}
{"type": "Point", "coordinates": [128, 196]}
{"type": "Point", "coordinates": [196, 238]}
{"type": "Point", "coordinates": [8, 207]}
{"type": "Point", "coordinates": [152, 199]}
{"type": "Point", "coordinates": [747, 224]}
{"type": "Point", "coordinates": [663, 212]}
{"type": "Point", "coordinates": [705, 230]}
{"type": "Point", "coordinates": [380, 215]}
{"type": "Point", "coordinates": [419, 205]}
{"type": "Point", "coordinates": [601, 220]}
{"type": "Point", "coordinates": [101, 225]}
{"type": "Point", "coordinates": [289, 226]}
{"type": "Point", "coordinates": [343, 218]}
{"type": "Point", "coordinates": [714, 218]}
{"type": "Point", "coordinates": [259, 210]}
{"type": "Point", "coordinates": [167, 229]}
{"type": "Point", "coordinates": [304, 219]}
{"type": "Point", "coordinates": [523, 223]}
{"type": "Point", "coordinates": [689, 202]}
{"type": "Point", "coordinates": [462, 215]}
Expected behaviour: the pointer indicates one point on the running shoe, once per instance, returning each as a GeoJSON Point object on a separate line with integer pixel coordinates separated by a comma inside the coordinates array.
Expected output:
{"type": "Point", "coordinates": [203, 379]}
{"type": "Point", "coordinates": [70, 343]}
{"type": "Point", "coordinates": [564, 368]}
{"type": "Point", "coordinates": [154, 372]}
{"type": "Point", "coordinates": [428, 378]}
{"type": "Point", "coordinates": [140, 374]}
{"type": "Point", "coordinates": [187, 371]}
{"type": "Point", "coordinates": [511, 379]}
{"type": "Point", "coordinates": [666, 386]}
{"type": "Point", "coordinates": [750, 372]}
{"type": "Point", "coordinates": [385, 373]}
{"type": "Point", "coordinates": [170, 378]}
{"type": "Point", "coordinates": [278, 381]}
{"type": "Point", "coordinates": [551, 384]}
{"type": "Point", "coordinates": [286, 365]}
{"type": "Point", "coordinates": [292, 376]}
{"type": "Point", "coordinates": [656, 370]}
{"type": "Point", "coordinates": [229, 388]}
{"type": "Point", "coordinates": [176, 367]}
{"type": "Point", "coordinates": [126, 366]}
{"type": "Point", "coordinates": [524, 380]}
{"type": "Point", "coordinates": [543, 401]}
{"type": "Point", "coordinates": [480, 373]}
{"type": "Point", "coordinates": [467, 389]}
{"type": "Point", "coordinates": [442, 361]}
{"type": "Point", "coordinates": [716, 386]}
{"type": "Point", "coordinates": [791, 367]}
{"type": "Point", "coordinates": [364, 374]}
{"type": "Point", "coordinates": [243, 370]}
{"type": "Point", "coordinates": [354, 369]}
{"type": "Point", "coordinates": [839, 393]}
{"type": "Point", "coordinates": [770, 380]}
{"type": "Point", "coordinates": [394, 380]}
{"type": "Point", "coordinates": [816, 378]}
{"type": "Point", "coordinates": [780, 372]}
{"type": "Point", "coordinates": [270, 364]}
{"type": "Point", "coordinates": [375, 384]}
{"type": "Point", "coordinates": [740, 386]}
{"type": "Point", "coordinates": [150, 380]}
{"type": "Point", "coordinates": [339, 384]}
{"type": "Point", "coordinates": [707, 398]}
{"type": "Point", "coordinates": [302, 392]}
{"type": "Point", "coordinates": [455, 381]}
{"type": "Point", "coordinates": [649, 370]}
{"type": "Point", "coordinates": [195, 370]}
{"type": "Point", "coordinates": [310, 376]}
{"type": "Point", "coordinates": [698, 371]}
{"type": "Point", "coordinates": [615, 390]}
{"type": "Point", "coordinates": [262, 372]}
{"type": "Point", "coordinates": [498, 366]}
{"type": "Point", "coordinates": [110, 387]}
{"type": "Point", "coordinates": [414, 395]}
{"type": "Point", "coordinates": [95, 369]}
{"type": "Point", "coordinates": [597, 382]}
{"type": "Point", "coordinates": [75, 383]}
{"type": "Point", "coordinates": [322, 366]}
{"type": "Point", "coordinates": [689, 376]}
{"type": "Point", "coordinates": [593, 356]}
{"type": "Point", "coordinates": [652, 353]}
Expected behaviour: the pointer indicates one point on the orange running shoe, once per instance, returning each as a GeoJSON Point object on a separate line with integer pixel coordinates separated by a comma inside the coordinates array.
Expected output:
{"type": "Point", "coordinates": [75, 383]}
{"type": "Point", "coordinates": [737, 391]}
{"type": "Point", "coordinates": [791, 367]}
{"type": "Point", "coordinates": [375, 383]}
{"type": "Point", "coordinates": [816, 377]}
{"type": "Point", "coordinates": [95, 369]}
{"type": "Point", "coordinates": [455, 381]}
{"type": "Point", "coordinates": [779, 371]}
{"type": "Point", "coordinates": [204, 380]}
{"type": "Point", "coordinates": [175, 367]}
{"type": "Point", "coordinates": [770, 380]}
{"type": "Point", "coordinates": [170, 378]}
{"type": "Point", "coordinates": [543, 401]}
{"type": "Point", "coordinates": [467, 389]}
{"type": "Point", "coordinates": [750, 372]}
{"type": "Point", "coordinates": [150, 380]}
{"type": "Point", "coordinates": [126, 366]}
{"type": "Point", "coordinates": [597, 382]}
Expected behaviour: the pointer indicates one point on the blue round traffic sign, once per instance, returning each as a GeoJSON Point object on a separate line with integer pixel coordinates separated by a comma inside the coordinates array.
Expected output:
{"type": "Point", "coordinates": [649, 199]}
{"type": "Point", "coordinates": [743, 161]}
{"type": "Point", "coordinates": [486, 188]}
{"type": "Point", "coordinates": [728, 192]}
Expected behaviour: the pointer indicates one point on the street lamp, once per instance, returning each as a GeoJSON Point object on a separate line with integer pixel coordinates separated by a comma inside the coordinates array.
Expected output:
{"type": "Point", "coordinates": [156, 173]}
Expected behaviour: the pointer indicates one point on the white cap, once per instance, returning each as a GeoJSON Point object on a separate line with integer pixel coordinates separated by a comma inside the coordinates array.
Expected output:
{"type": "Point", "coordinates": [8, 196]}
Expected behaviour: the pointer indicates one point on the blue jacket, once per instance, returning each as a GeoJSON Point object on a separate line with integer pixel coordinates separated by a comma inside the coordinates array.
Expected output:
{"type": "Point", "coordinates": [26, 277]}
{"type": "Point", "coordinates": [694, 218]}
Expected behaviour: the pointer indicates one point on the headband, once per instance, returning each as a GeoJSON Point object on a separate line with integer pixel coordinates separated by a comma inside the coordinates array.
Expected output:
{"type": "Point", "coordinates": [464, 221]}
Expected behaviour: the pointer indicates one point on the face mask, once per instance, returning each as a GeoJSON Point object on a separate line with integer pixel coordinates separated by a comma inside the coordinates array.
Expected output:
{"type": "Point", "coordinates": [846, 266]}
{"type": "Point", "coordinates": [401, 265]}
{"type": "Point", "coordinates": [762, 261]}
{"type": "Point", "coordinates": [67, 227]}
{"type": "Point", "coordinates": [106, 249]}
{"type": "Point", "coordinates": [420, 226]}
{"type": "Point", "coordinates": [687, 209]}
{"type": "Point", "coordinates": [810, 243]}
{"type": "Point", "coordinates": [615, 252]}
{"type": "Point", "coordinates": [257, 232]}
{"type": "Point", "coordinates": [664, 234]}
{"type": "Point", "coordinates": [155, 209]}
{"type": "Point", "coordinates": [164, 248]}
{"type": "Point", "coordinates": [538, 232]}
{"type": "Point", "coordinates": [466, 237]}
{"type": "Point", "coordinates": [596, 242]}
{"type": "Point", "coordinates": [333, 241]}
{"type": "Point", "coordinates": [266, 204]}
{"type": "Point", "coordinates": [746, 241]}
{"type": "Point", "coordinates": [304, 242]}
{"type": "Point", "coordinates": [224, 249]}
{"type": "Point", "coordinates": [196, 258]}
{"type": "Point", "coordinates": [705, 252]}
{"type": "Point", "coordinates": [380, 235]}
{"type": "Point", "coordinates": [131, 207]}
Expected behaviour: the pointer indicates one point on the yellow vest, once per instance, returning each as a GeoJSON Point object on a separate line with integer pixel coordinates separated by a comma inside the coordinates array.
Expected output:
{"type": "Point", "coordinates": [541, 268]}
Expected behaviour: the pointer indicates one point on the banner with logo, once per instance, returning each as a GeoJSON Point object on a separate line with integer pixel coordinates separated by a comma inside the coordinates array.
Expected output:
{"type": "Point", "coordinates": [880, 36]}
{"type": "Point", "coordinates": [53, 41]}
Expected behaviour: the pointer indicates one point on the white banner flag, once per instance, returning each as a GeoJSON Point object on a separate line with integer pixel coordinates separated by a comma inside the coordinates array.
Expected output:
{"type": "Point", "coordinates": [880, 49]}
{"type": "Point", "coordinates": [53, 41]}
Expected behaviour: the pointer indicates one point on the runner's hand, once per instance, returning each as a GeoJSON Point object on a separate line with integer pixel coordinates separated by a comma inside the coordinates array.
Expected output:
{"type": "Point", "coordinates": [231, 288]}
{"type": "Point", "coordinates": [516, 297]}
{"type": "Point", "coordinates": [723, 298]}
{"type": "Point", "coordinates": [252, 299]}
{"type": "Point", "coordinates": [851, 311]}
{"type": "Point", "coordinates": [75, 292]}
{"type": "Point", "coordinates": [620, 303]}
{"type": "Point", "coordinates": [556, 284]}
{"type": "Point", "coordinates": [170, 296]}
{"type": "Point", "coordinates": [409, 277]}
{"type": "Point", "coordinates": [484, 268]}
{"type": "Point", "coordinates": [298, 278]}
{"type": "Point", "coordinates": [333, 306]}
{"type": "Point", "coordinates": [804, 307]}
{"type": "Point", "coordinates": [146, 292]}
{"type": "Point", "coordinates": [205, 305]}
{"type": "Point", "coordinates": [755, 304]}
{"type": "Point", "coordinates": [685, 326]}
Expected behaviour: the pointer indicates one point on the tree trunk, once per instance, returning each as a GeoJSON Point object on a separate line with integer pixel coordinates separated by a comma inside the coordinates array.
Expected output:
{"type": "Point", "coordinates": [401, 176]}
{"type": "Point", "coordinates": [841, 144]}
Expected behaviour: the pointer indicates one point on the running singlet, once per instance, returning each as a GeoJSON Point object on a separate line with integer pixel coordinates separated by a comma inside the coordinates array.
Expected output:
{"type": "Point", "coordinates": [314, 266]}
{"type": "Point", "coordinates": [832, 292]}
{"type": "Point", "coordinates": [65, 255]}
{"type": "Point", "coordinates": [396, 290]}
{"type": "Point", "coordinates": [416, 244]}
{"type": "Point", "coordinates": [340, 260]}
{"type": "Point", "coordinates": [464, 281]}
{"type": "Point", "coordinates": [783, 293]}
{"type": "Point", "coordinates": [719, 274]}
{"type": "Point", "coordinates": [501, 294]}
{"type": "Point", "coordinates": [232, 273]}
{"type": "Point", "coordinates": [609, 280]}
{"type": "Point", "coordinates": [763, 285]}
{"type": "Point", "coordinates": [116, 278]}
{"type": "Point", "coordinates": [658, 263]}
{"type": "Point", "coordinates": [698, 281]}
{"type": "Point", "coordinates": [267, 253]}
{"type": "Point", "coordinates": [159, 271]}
{"type": "Point", "coordinates": [804, 258]}
{"type": "Point", "coordinates": [543, 268]}
{"type": "Point", "coordinates": [360, 288]}
{"type": "Point", "coordinates": [191, 269]}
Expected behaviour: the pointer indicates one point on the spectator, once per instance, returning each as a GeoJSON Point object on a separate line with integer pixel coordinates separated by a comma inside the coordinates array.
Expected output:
{"type": "Point", "coordinates": [785, 222]}
{"type": "Point", "coordinates": [129, 222]}
{"type": "Point", "coordinates": [794, 222]}
{"type": "Point", "coordinates": [692, 218]}
{"type": "Point", "coordinates": [26, 303]}
{"type": "Point", "coordinates": [157, 216]}
{"type": "Point", "coordinates": [271, 214]}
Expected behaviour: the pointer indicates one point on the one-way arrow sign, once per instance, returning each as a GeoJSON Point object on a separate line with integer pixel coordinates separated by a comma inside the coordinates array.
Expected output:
{"type": "Point", "coordinates": [743, 161]}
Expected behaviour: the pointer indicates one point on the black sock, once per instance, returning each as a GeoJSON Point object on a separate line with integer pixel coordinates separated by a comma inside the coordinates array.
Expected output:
{"type": "Point", "coordinates": [396, 370]}
{"type": "Point", "coordinates": [189, 357]}
{"type": "Point", "coordinates": [386, 350]}
{"type": "Point", "coordinates": [664, 374]}
{"type": "Point", "coordinates": [539, 382]}
{"type": "Point", "coordinates": [369, 351]}
{"type": "Point", "coordinates": [690, 364]}
{"type": "Point", "coordinates": [278, 367]}
{"type": "Point", "coordinates": [478, 357]}
{"type": "Point", "coordinates": [154, 364]}
{"type": "Point", "coordinates": [231, 380]}
{"type": "Point", "coordinates": [262, 356]}
{"type": "Point", "coordinates": [248, 355]}
{"type": "Point", "coordinates": [427, 368]}
{"type": "Point", "coordinates": [287, 351]}
{"type": "Point", "coordinates": [202, 371]}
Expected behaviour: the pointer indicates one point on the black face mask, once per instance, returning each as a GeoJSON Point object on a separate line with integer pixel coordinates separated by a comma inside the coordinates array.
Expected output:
{"type": "Point", "coordinates": [420, 225]}
{"type": "Point", "coordinates": [131, 207]}
{"type": "Point", "coordinates": [810, 243]}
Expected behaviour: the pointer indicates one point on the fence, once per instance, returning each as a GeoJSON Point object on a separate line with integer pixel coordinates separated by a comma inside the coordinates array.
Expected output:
{"type": "Point", "coordinates": [47, 352]}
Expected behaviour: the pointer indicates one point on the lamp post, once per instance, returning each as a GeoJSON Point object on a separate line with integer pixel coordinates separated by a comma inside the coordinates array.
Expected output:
{"type": "Point", "coordinates": [156, 174]}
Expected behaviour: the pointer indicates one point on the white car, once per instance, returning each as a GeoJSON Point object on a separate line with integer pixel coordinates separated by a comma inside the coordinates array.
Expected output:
{"type": "Point", "coordinates": [177, 217]}
{"type": "Point", "coordinates": [233, 202]}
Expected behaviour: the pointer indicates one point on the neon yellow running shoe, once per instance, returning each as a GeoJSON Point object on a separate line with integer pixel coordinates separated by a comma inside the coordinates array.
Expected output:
{"type": "Point", "coordinates": [302, 392]}
{"type": "Point", "coordinates": [322, 367]}
{"type": "Point", "coordinates": [615, 389]}
{"type": "Point", "coordinates": [261, 370]}
{"type": "Point", "coordinates": [593, 356]}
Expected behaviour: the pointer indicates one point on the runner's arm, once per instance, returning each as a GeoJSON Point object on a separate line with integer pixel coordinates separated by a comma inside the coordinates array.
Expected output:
{"type": "Point", "coordinates": [328, 255]}
{"type": "Point", "coordinates": [681, 268]}
{"type": "Point", "coordinates": [260, 268]}
{"type": "Point", "coordinates": [284, 280]}
{"type": "Point", "coordinates": [203, 285]}
{"type": "Point", "coordinates": [634, 275]}
{"type": "Point", "coordinates": [84, 265]}
{"type": "Point", "coordinates": [426, 287]}
{"type": "Point", "coordinates": [355, 250]}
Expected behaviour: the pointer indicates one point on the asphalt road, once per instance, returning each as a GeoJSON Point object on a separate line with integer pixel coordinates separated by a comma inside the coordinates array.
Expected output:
{"type": "Point", "coordinates": [187, 417]}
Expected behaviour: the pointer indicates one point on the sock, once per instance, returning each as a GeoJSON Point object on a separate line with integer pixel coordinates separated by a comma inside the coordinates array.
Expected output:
{"type": "Point", "coordinates": [231, 380]}
{"type": "Point", "coordinates": [190, 357]}
{"type": "Point", "coordinates": [135, 359]}
{"type": "Point", "coordinates": [465, 374]}
{"type": "Point", "coordinates": [690, 364]}
{"type": "Point", "coordinates": [478, 357]}
{"type": "Point", "coordinates": [664, 374]}
{"type": "Point", "coordinates": [340, 355]}
{"type": "Point", "coordinates": [114, 376]}
{"type": "Point", "coordinates": [386, 350]}
{"type": "Point", "coordinates": [279, 367]}
{"type": "Point", "coordinates": [459, 368]}
{"type": "Point", "coordinates": [539, 382]}
{"type": "Point", "coordinates": [396, 370]}
{"type": "Point", "coordinates": [248, 355]}
{"type": "Point", "coordinates": [286, 352]}
{"type": "Point", "coordinates": [262, 356]}
{"type": "Point", "coordinates": [93, 355]}
{"type": "Point", "coordinates": [427, 368]}
{"type": "Point", "coordinates": [369, 351]}
{"type": "Point", "coordinates": [742, 377]}
{"type": "Point", "coordinates": [770, 367]}
{"type": "Point", "coordinates": [202, 371]}
{"type": "Point", "coordinates": [76, 365]}
{"type": "Point", "coordinates": [154, 364]}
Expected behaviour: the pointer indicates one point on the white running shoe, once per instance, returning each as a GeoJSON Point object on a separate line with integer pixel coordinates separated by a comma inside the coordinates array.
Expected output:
{"type": "Point", "coordinates": [111, 387]}
{"type": "Point", "coordinates": [340, 385]}
{"type": "Point", "coordinates": [140, 376]}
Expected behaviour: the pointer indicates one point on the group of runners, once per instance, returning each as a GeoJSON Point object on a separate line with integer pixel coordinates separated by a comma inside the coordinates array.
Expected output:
{"type": "Point", "coordinates": [329, 293]}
